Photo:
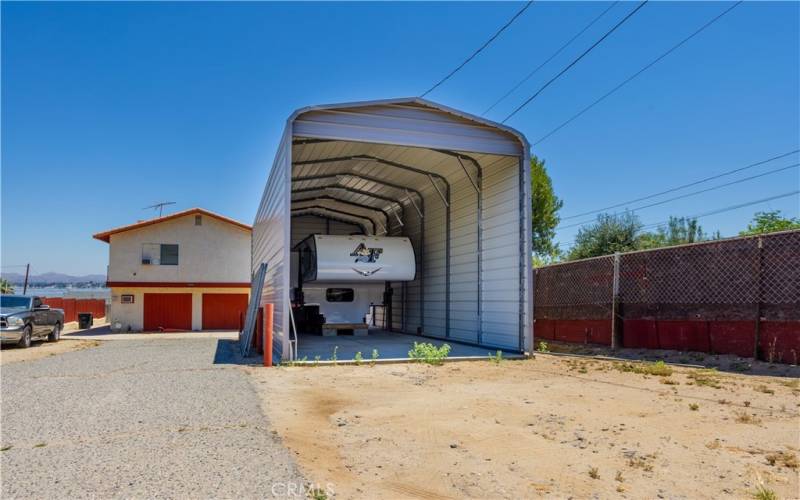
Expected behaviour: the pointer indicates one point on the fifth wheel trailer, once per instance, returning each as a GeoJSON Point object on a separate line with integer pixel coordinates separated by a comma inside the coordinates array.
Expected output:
{"type": "Point", "coordinates": [455, 186]}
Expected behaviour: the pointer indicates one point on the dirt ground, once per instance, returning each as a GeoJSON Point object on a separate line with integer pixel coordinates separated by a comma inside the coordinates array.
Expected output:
{"type": "Point", "coordinates": [551, 426]}
{"type": "Point", "coordinates": [42, 349]}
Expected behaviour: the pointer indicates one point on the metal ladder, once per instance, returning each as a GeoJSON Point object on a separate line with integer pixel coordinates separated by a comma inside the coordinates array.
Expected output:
{"type": "Point", "coordinates": [246, 335]}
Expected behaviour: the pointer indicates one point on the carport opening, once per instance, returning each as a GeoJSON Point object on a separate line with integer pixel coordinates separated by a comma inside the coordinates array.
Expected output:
{"type": "Point", "coordinates": [353, 202]}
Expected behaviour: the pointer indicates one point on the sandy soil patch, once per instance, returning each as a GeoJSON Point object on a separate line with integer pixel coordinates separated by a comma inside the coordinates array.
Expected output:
{"type": "Point", "coordinates": [41, 349]}
{"type": "Point", "coordinates": [550, 426]}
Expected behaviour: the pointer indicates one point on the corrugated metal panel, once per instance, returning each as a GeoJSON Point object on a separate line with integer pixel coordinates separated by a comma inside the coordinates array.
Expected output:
{"type": "Point", "coordinates": [473, 255]}
{"type": "Point", "coordinates": [407, 125]}
{"type": "Point", "coordinates": [271, 241]}
{"type": "Point", "coordinates": [306, 225]}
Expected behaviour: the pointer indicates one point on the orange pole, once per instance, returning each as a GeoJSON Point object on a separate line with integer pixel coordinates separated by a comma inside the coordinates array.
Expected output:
{"type": "Point", "coordinates": [268, 310]}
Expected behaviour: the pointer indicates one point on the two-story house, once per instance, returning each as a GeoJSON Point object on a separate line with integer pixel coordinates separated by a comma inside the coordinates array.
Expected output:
{"type": "Point", "coordinates": [185, 271]}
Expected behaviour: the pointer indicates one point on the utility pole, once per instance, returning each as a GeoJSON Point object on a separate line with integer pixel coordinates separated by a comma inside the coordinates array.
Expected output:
{"type": "Point", "coordinates": [27, 272]}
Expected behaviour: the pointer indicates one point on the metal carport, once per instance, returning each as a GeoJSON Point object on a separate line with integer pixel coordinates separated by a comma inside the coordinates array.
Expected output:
{"type": "Point", "coordinates": [457, 185]}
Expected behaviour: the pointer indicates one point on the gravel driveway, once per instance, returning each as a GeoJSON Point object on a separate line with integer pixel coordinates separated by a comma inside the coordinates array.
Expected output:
{"type": "Point", "coordinates": [139, 418]}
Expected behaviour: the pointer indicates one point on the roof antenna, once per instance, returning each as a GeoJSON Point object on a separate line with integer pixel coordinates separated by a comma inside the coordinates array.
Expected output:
{"type": "Point", "coordinates": [160, 206]}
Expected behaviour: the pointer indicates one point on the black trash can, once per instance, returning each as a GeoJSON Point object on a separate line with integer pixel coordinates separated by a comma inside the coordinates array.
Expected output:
{"type": "Point", "coordinates": [84, 320]}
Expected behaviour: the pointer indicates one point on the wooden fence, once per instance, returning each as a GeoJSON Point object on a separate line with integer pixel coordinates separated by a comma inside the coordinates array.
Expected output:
{"type": "Point", "coordinates": [72, 307]}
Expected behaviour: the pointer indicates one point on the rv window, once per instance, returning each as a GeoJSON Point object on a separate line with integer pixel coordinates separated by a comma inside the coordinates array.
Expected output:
{"type": "Point", "coordinates": [339, 295]}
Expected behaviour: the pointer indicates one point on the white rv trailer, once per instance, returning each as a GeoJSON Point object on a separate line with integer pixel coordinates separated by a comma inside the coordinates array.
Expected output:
{"type": "Point", "coordinates": [344, 277]}
{"type": "Point", "coordinates": [455, 186]}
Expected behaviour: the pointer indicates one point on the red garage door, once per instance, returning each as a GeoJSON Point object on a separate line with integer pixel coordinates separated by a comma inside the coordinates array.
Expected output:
{"type": "Point", "coordinates": [168, 310]}
{"type": "Point", "coordinates": [221, 311]}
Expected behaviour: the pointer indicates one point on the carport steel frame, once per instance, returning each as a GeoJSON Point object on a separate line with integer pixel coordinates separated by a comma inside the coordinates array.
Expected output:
{"type": "Point", "coordinates": [525, 319]}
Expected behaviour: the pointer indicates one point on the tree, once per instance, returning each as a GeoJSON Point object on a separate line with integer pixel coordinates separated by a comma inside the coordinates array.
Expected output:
{"type": "Point", "coordinates": [679, 231]}
{"type": "Point", "coordinates": [769, 222]}
{"type": "Point", "coordinates": [610, 233]}
{"type": "Point", "coordinates": [6, 287]}
{"type": "Point", "coordinates": [545, 205]}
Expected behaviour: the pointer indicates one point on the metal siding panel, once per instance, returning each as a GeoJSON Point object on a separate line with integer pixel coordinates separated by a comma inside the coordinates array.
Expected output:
{"type": "Point", "coordinates": [385, 130]}
{"type": "Point", "coordinates": [419, 128]}
{"type": "Point", "coordinates": [501, 254]}
{"type": "Point", "coordinates": [271, 241]}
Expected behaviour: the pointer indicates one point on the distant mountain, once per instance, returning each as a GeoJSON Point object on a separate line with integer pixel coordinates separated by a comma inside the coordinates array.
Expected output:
{"type": "Point", "coordinates": [50, 278]}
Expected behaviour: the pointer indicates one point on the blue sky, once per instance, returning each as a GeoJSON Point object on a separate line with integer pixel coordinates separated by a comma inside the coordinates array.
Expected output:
{"type": "Point", "coordinates": [108, 108]}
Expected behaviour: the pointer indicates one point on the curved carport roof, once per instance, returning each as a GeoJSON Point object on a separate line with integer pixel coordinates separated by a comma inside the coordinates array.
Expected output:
{"type": "Point", "coordinates": [411, 167]}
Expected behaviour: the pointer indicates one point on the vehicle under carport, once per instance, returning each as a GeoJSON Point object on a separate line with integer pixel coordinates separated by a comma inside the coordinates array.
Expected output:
{"type": "Point", "coordinates": [457, 186]}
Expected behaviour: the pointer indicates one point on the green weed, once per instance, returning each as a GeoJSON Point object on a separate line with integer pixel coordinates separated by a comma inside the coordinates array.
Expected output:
{"type": "Point", "coordinates": [429, 353]}
{"type": "Point", "coordinates": [764, 493]}
{"type": "Point", "coordinates": [659, 368]}
{"type": "Point", "coordinates": [334, 357]}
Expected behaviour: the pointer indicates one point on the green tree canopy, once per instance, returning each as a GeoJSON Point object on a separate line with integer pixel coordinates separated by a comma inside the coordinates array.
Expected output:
{"type": "Point", "coordinates": [678, 231]}
{"type": "Point", "coordinates": [769, 222]}
{"type": "Point", "coordinates": [610, 233]}
{"type": "Point", "coordinates": [623, 233]}
{"type": "Point", "coordinates": [545, 205]}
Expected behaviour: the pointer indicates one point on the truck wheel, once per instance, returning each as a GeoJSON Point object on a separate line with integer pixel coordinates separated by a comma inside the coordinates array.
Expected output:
{"type": "Point", "coordinates": [55, 334]}
{"type": "Point", "coordinates": [25, 341]}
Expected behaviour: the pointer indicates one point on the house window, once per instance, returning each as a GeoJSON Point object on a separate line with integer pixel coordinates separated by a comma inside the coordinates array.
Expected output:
{"type": "Point", "coordinates": [198, 220]}
{"type": "Point", "coordinates": [169, 255]}
{"type": "Point", "coordinates": [151, 254]}
{"type": "Point", "coordinates": [339, 295]}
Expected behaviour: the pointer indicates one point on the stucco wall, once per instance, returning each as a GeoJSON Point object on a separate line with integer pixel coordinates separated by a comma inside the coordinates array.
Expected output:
{"type": "Point", "coordinates": [214, 252]}
{"type": "Point", "coordinates": [131, 316]}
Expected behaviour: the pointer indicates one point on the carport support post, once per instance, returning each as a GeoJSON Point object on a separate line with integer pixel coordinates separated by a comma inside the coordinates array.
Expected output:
{"type": "Point", "coordinates": [268, 312]}
{"type": "Point", "coordinates": [616, 331]}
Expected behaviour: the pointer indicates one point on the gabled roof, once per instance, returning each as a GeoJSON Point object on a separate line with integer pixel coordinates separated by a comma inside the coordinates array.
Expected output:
{"type": "Point", "coordinates": [106, 235]}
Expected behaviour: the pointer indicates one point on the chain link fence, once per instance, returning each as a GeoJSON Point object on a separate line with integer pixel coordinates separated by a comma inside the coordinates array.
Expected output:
{"type": "Point", "coordinates": [738, 296]}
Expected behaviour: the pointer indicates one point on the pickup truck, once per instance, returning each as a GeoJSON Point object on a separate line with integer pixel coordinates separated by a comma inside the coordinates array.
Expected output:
{"type": "Point", "coordinates": [25, 318]}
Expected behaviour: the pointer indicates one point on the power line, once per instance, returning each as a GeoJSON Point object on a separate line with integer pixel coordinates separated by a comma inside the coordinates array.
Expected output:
{"type": "Point", "coordinates": [732, 207]}
{"type": "Point", "coordinates": [486, 44]}
{"type": "Point", "coordinates": [528, 77]}
{"type": "Point", "coordinates": [677, 188]}
{"type": "Point", "coordinates": [574, 62]}
{"type": "Point", "coordinates": [645, 68]}
{"type": "Point", "coordinates": [693, 193]}
{"type": "Point", "coordinates": [719, 211]}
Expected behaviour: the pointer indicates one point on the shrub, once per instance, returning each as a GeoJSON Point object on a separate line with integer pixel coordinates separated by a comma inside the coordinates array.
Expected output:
{"type": "Point", "coordinates": [783, 457]}
{"type": "Point", "coordinates": [429, 353]}
{"type": "Point", "coordinates": [358, 358]}
{"type": "Point", "coordinates": [659, 368]}
{"type": "Point", "coordinates": [705, 377]}
{"type": "Point", "coordinates": [374, 356]}
{"type": "Point", "coordinates": [745, 418]}
{"type": "Point", "coordinates": [543, 347]}
{"type": "Point", "coordinates": [497, 357]}
{"type": "Point", "coordinates": [764, 493]}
